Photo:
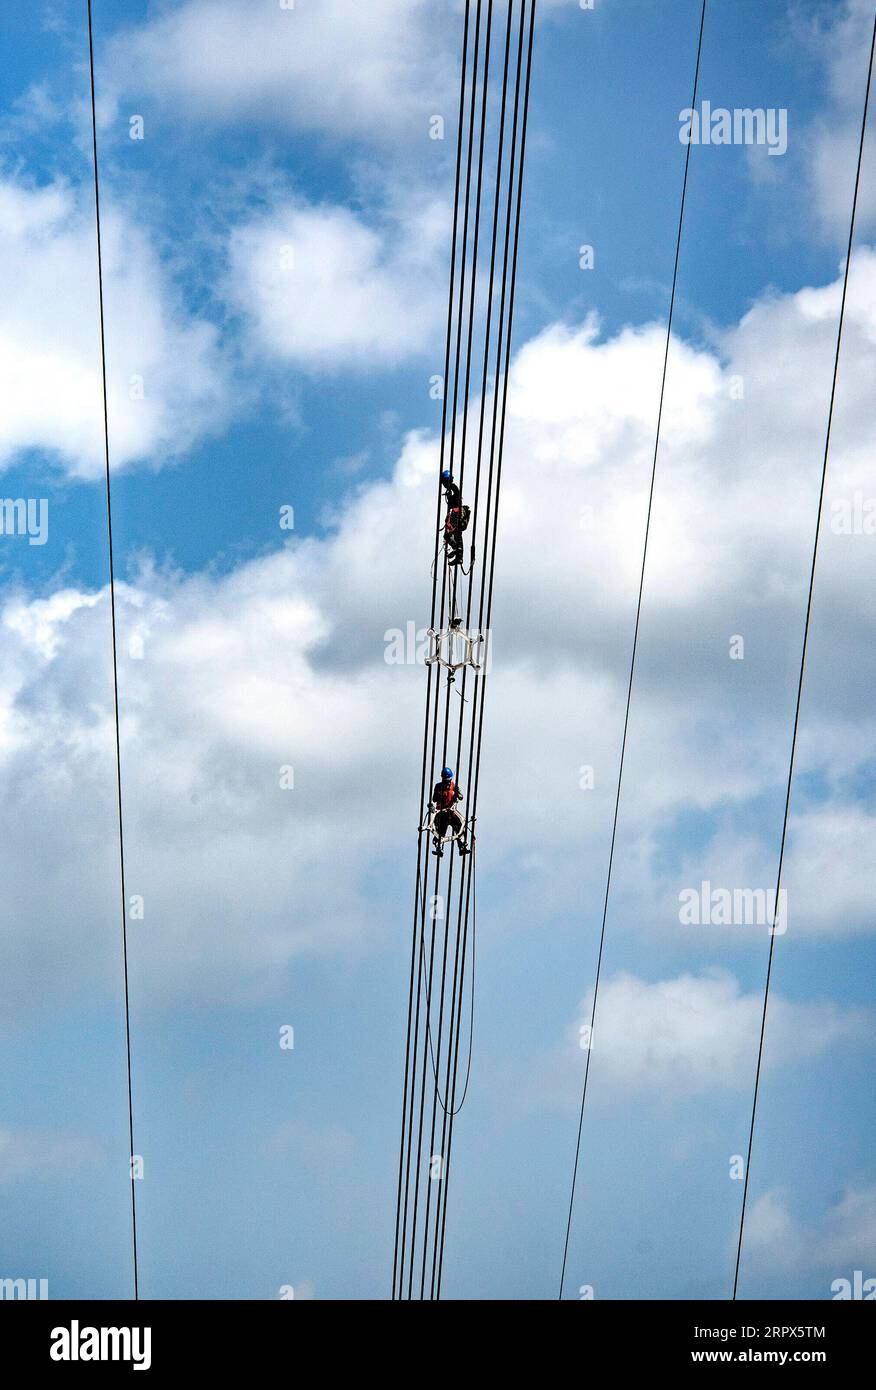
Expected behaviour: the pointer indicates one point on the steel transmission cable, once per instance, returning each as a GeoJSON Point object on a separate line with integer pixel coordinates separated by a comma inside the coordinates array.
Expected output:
{"type": "Point", "coordinates": [799, 700]}
{"type": "Point", "coordinates": [462, 410]}
{"type": "Point", "coordinates": [460, 338]}
{"type": "Point", "coordinates": [494, 241]}
{"type": "Point", "coordinates": [466, 892]}
{"type": "Point", "coordinates": [112, 586]}
{"type": "Point", "coordinates": [442, 1100]}
{"type": "Point", "coordinates": [633, 656]}
{"type": "Point", "coordinates": [464, 438]}
{"type": "Point", "coordinates": [497, 448]}
{"type": "Point", "coordinates": [465, 889]}
{"type": "Point", "coordinates": [453, 1035]}
{"type": "Point", "coordinates": [413, 1022]}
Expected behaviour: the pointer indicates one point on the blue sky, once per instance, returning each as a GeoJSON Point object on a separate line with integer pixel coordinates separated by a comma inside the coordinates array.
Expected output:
{"type": "Point", "coordinates": [245, 650]}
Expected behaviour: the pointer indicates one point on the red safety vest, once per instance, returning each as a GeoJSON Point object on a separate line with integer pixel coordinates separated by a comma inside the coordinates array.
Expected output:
{"type": "Point", "coordinates": [446, 796]}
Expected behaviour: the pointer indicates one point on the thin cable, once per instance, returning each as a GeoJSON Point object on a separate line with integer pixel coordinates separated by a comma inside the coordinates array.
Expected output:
{"type": "Point", "coordinates": [833, 389]}
{"type": "Point", "coordinates": [453, 1041]}
{"type": "Point", "coordinates": [461, 929]}
{"type": "Point", "coordinates": [399, 1236]}
{"type": "Point", "coordinates": [109, 521]}
{"type": "Point", "coordinates": [454, 1110]}
{"type": "Point", "coordinates": [480, 446]}
{"type": "Point", "coordinates": [633, 657]}
{"type": "Point", "coordinates": [497, 448]}
{"type": "Point", "coordinates": [434, 742]}
{"type": "Point", "coordinates": [436, 1061]}
{"type": "Point", "coordinates": [454, 577]}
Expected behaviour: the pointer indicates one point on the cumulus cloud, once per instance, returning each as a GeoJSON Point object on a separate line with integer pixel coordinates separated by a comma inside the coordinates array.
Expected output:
{"type": "Point", "coordinates": [842, 1240]}
{"type": "Point", "coordinates": [321, 1146]}
{"type": "Point", "coordinates": [223, 698]}
{"type": "Point", "coordinates": [827, 874]}
{"type": "Point", "coordinates": [166, 384]}
{"type": "Point", "coordinates": [44, 1155]}
{"type": "Point", "coordinates": [228, 679]}
{"type": "Point", "coordinates": [834, 845]}
{"type": "Point", "coordinates": [832, 146]}
{"type": "Point", "coordinates": [691, 1035]}
{"type": "Point", "coordinates": [360, 71]}
{"type": "Point", "coordinates": [321, 287]}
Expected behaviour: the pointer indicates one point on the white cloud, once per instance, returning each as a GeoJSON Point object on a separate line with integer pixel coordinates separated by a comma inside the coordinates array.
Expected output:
{"type": "Point", "coordinates": [238, 875]}
{"type": "Point", "coordinates": [281, 662]}
{"type": "Point", "coordinates": [322, 1147]}
{"type": "Point", "coordinates": [842, 1240]}
{"type": "Point", "coordinates": [360, 71]}
{"type": "Point", "coordinates": [827, 873]}
{"type": "Point", "coordinates": [833, 845]}
{"type": "Point", "coordinates": [690, 1035]}
{"type": "Point", "coordinates": [50, 387]}
{"type": "Point", "coordinates": [322, 288]}
{"type": "Point", "coordinates": [832, 145]}
{"type": "Point", "coordinates": [43, 1155]}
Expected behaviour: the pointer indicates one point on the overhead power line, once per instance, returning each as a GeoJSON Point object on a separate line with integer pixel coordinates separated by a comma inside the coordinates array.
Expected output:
{"type": "Point", "coordinates": [417, 1101]}
{"type": "Point", "coordinates": [497, 450]}
{"type": "Point", "coordinates": [633, 657]}
{"type": "Point", "coordinates": [112, 585]}
{"type": "Point", "coordinates": [801, 677]}
{"type": "Point", "coordinates": [413, 1020]}
{"type": "Point", "coordinates": [454, 722]}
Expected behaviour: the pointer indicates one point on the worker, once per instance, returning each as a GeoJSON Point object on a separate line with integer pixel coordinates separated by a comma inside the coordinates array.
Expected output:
{"type": "Point", "coordinates": [445, 795]}
{"type": "Point", "coordinates": [456, 519]}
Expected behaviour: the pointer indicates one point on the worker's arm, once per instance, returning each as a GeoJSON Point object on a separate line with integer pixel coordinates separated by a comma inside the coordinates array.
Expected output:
{"type": "Point", "coordinates": [452, 494]}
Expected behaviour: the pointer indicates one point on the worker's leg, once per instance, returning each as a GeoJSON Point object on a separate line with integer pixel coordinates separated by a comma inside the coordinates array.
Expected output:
{"type": "Point", "coordinates": [461, 843]}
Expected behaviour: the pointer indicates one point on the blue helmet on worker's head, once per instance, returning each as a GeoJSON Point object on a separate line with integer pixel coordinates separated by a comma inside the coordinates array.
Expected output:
{"type": "Point", "coordinates": [447, 476]}
{"type": "Point", "coordinates": [447, 774]}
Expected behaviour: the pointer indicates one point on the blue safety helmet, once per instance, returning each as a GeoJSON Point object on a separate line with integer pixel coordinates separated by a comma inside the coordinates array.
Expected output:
{"type": "Point", "coordinates": [447, 774]}
{"type": "Point", "coordinates": [447, 476]}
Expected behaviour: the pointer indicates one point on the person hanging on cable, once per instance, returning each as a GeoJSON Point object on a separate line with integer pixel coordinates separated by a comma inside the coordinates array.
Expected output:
{"type": "Point", "coordinates": [456, 520]}
{"type": "Point", "coordinates": [446, 819]}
